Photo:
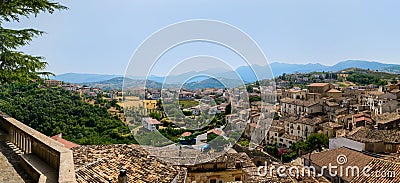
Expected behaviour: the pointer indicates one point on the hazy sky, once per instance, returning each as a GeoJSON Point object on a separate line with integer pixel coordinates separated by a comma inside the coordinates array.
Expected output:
{"type": "Point", "coordinates": [100, 36]}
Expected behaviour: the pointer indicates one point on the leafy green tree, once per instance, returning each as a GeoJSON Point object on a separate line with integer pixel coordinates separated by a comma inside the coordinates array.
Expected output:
{"type": "Point", "coordinates": [16, 66]}
{"type": "Point", "coordinates": [55, 110]}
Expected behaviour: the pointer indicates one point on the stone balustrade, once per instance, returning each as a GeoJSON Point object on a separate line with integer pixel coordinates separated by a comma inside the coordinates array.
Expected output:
{"type": "Point", "coordinates": [35, 144]}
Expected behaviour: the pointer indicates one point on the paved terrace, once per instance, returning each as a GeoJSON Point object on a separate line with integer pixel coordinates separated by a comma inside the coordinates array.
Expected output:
{"type": "Point", "coordinates": [44, 159]}
{"type": "Point", "coordinates": [10, 169]}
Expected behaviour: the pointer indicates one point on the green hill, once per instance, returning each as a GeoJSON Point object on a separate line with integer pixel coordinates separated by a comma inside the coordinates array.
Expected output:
{"type": "Point", "coordinates": [54, 110]}
{"type": "Point", "coordinates": [365, 77]}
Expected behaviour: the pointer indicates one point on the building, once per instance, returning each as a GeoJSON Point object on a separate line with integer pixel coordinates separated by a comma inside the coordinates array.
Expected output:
{"type": "Point", "coordinates": [362, 119]}
{"type": "Point", "coordinates": [333, 93]}
{"type": "Point", "coordinates": [371, 140]}
{"type": "Point", "coordinates": [326, 158]}
{"type": "Point", "coordinates": [274, 132]}
{"type": "Point", "coordinates": [52, 83]}
{"type": "Point", "coordinates": [103, 163]}
{"type": "Point", "coordinates": [330, 129]}
{"type": "Point", "coordinates": [298, 107]}
{"type": "Point", "coordinates": [226, 168]}
{"type": "Point", "coordinates": [387, 121]}
{"type": "Point", "coordinates": [150, 105]}
{"type": "Point", "coordinates": [286, 140]}
{"type": "Point", "coordinates": [301, 127]}
{"type": "Point", "coordinates": [321, 88]}
{"type": "Point", "coordinates": [150, 124]}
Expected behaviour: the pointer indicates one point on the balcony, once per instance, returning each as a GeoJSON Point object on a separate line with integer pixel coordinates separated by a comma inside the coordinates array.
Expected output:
{"type": "Point", "coordinates": [42, 158]}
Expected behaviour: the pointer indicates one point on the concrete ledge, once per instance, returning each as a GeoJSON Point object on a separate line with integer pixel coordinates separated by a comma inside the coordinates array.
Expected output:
{"type": "Point", "coordinates": [40, 170]}
{"type": "Point", "coordinates": [41, 155]}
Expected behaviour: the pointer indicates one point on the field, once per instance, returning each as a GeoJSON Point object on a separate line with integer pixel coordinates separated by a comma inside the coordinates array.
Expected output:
{"type": "Point", "coordinates": [131, 101]}
{"type": "Point", "coordinates": [188, 103]}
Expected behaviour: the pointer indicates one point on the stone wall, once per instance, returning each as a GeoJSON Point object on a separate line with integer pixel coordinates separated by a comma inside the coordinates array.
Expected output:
{"type": "Point", "coordinates": [34, 143]}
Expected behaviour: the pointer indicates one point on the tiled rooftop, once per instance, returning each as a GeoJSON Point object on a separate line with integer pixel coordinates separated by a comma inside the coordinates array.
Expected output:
{"type": "Point", "coordinates": [303, 120]}
{"type": "Point", "coordinates": [363, 134]}
{"type": "Point", "coordinates": [354, 158]}
{"type": "Point", "coordinates": [387, 117]}
{"type": "Point", "coordinates": [298, 102]}
{"type": "Point", "coordinates": [103, 164]}
{"type": "Point", "coordinates": [377, 168]}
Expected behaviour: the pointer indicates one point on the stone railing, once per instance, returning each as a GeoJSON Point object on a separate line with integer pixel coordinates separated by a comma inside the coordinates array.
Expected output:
{"type": "Point", "coordinates": [36, 145]}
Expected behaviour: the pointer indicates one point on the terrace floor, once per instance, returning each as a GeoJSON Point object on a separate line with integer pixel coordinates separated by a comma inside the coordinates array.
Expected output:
{"type": "Point", "coordinates": [10, 169]}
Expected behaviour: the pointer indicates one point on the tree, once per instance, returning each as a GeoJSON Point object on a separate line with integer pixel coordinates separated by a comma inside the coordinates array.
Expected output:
{"type": "Point", "coordinates": [315, 142]}
{"type": "Point", "coordinates": [16, 66]}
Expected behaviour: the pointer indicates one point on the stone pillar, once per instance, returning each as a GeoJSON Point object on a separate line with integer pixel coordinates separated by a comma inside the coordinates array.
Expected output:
{"type": "Point", "coordinates": [29, 146]}
{"type": "Point", "coordinates": [23, 143]}
{"type": "Point", "coordinates": [18, 140]}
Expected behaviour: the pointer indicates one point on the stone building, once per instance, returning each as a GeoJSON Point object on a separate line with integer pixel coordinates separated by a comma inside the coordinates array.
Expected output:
{"type": "Point", "coordinates": [301, 127]}
{"type": "Point", "coordinates": [298, 107]}
{"type": "Point", "coordinates": [226, 168]}
{"type": "Point", "coordinates": [321, 88]}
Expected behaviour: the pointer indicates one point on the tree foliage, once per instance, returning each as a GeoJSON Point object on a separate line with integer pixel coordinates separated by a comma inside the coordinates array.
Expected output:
{"type": "Point", "coordinates": [55, 110]}
{"type": "Point", "coordinates": [16, 65]}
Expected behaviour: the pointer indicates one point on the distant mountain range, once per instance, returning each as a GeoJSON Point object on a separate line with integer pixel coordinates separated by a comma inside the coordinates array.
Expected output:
{"type": "Point", "coordinates": [83, 78]}
{"type": "Point", "coordinates": [244, 72]}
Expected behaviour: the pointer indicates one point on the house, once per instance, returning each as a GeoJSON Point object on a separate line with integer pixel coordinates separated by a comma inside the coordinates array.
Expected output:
{"type": "Point", "coordinates": [52, 83]}
{"type": "Point", "coordinates": [330, 128]}
{"type": "Point", "coordinates": [362, 119]}
{"type": "Point", "coordinates": [295, 93]}
{"type": "Point", "coordinates": [69, 87]}
{"type": "Point", "coordinates": [333, 93]}
{"type": "Point", "coordinates": [225, 168]}
{"type": "Point", "coordinates": [287, 140]}
{"type": "Point", "coordinates": [387, 121]}
{"type": "Point", "coordinates": [150, 124]}
{"type": "Point", "coordinates": [150, 105]}
{"type": "Point", "coordinates": [396, 92]}
{"type": "Point", "coordinates": [330, 108]}
{"type": "Point", "coordinates": [301, 127]}
{"type": "Point", "coordinates": [371, 140]}
{"type": "Point", "coordinates": [298, 107]}
{"type": "Point", "coordinates": [321, 88]}
{"type": "Point", "coordinates": [273, 134]}
{"type": "Point", "coordinates": [156, 95]}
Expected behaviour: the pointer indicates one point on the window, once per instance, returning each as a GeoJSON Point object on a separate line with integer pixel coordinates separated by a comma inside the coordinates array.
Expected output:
{"type": "Point", "coordinates": [238, 179]}
{"type": "Point", "coordinates": [213, 180]}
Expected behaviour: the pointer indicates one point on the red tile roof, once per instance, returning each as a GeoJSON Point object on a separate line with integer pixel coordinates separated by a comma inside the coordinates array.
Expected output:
{"type": "Point", "coordinates": [186, 134]}
{"type": "Point", "coordinates": [66, 143]}
{"type": "Point", "coordinates": [318, 84]}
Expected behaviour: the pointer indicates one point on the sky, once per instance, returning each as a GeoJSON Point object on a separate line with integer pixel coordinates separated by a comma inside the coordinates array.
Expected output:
{"type": "Point", "coordinates": [100, 36]}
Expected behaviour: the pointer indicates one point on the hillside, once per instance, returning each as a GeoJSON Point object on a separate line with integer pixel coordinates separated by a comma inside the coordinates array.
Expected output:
{"type": "Point", "coordinates": [213, 83]}
{"type": "Point", "coordinates": [52, 111]}
{"type": "Point", "coordinates": [365, 77]}
{"type": "Point", "coordinates": [116, 83]}
{"type": "Point", "coordinates": [393, 69]}
{"type": "Point", "coordinates": [360, 64]}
